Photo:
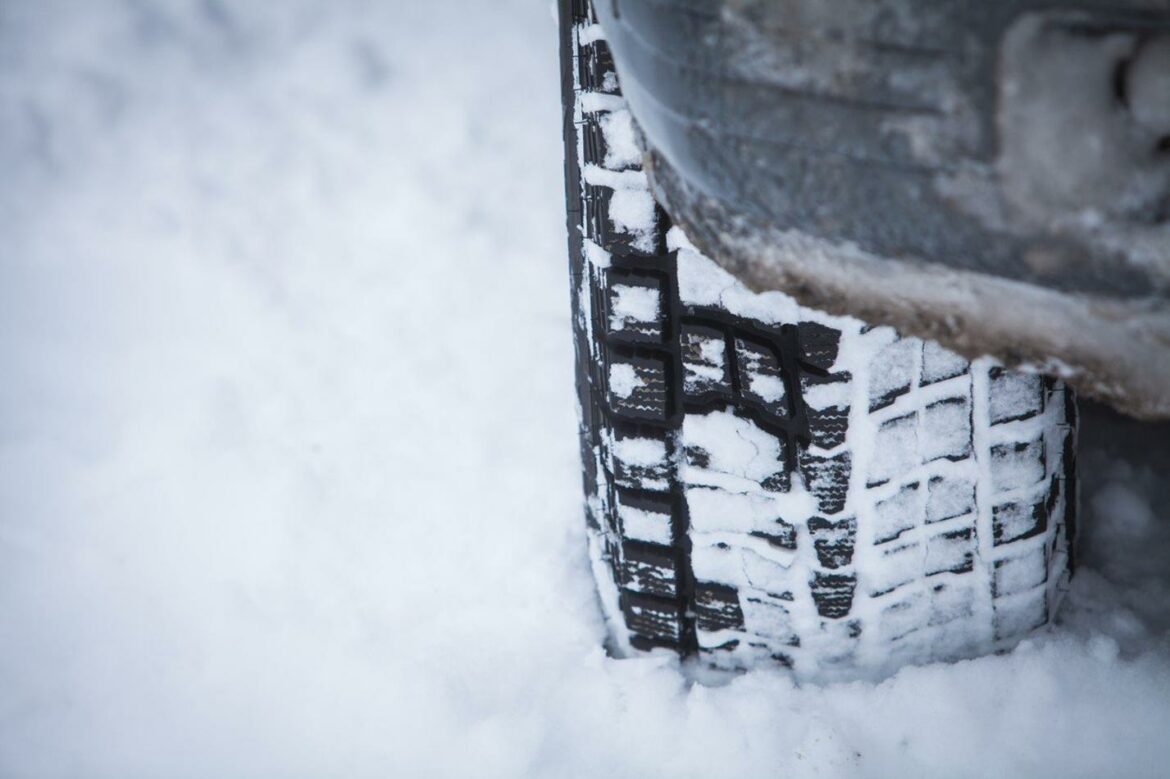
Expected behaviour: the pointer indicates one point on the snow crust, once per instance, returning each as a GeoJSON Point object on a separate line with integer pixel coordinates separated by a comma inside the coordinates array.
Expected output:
{"type": "Point", "coordinates": [289, 476]}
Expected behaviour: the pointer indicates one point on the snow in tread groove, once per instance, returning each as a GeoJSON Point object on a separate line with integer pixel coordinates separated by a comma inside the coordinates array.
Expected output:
{"type": "Point", "coordinates": [290, 477]}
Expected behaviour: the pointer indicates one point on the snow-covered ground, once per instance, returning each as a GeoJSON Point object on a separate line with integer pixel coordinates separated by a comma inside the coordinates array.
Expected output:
{"type": "Point", "coordinates": [288, 472]}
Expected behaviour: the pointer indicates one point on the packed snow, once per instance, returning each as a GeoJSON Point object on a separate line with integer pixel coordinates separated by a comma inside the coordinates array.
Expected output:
{"type": "Point", "coordinates": [289, 477]}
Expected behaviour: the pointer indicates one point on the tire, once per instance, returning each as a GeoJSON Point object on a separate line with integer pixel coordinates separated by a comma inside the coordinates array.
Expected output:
{"type": "Point", "coordinates": [768, 484]}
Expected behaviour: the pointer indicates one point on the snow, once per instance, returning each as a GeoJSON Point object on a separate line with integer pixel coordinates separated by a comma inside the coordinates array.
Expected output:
{"type": "Point", "coordinates": [949, 498]}
{"type": "Point", "coordinates": [741, 454]}
{"type": "Point", "coordinates": [621, 147]}
{"type": "Point", "coordinates": [632, 210]}
{"type": "Point", "coordinates": [705, 362]}
{"type": "Point", "coordinates": [823, 396]}
{"type": "Point", "coordinates": [640, 451]}
{"type": "Point", "coordinates": [895, 448]}
{"type": "Point", "coordinates": [288, 462]}
{"type": "Point", "coordinates": [596, 256]}
{"type": "Point", "coordinates": [946, 430]}
{"type": "Point", "coordinates": [645, 525]}
{"type": "Point", "coordinates": [600, 101]}
{"type": "Point", "coordinates": [631, 305]}
{"type": "Point", "coordinates": [893, 367]}
{"type": "Point", "coordinates": [703, 283]}
{"type": "Point", "coordinates": [631, 207]}
{"type": "Point", "coordinates": [623, 380]}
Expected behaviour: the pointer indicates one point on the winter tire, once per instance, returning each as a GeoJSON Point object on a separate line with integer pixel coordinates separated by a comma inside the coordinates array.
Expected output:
{"type": "Point", "coordinates": [766, 483]}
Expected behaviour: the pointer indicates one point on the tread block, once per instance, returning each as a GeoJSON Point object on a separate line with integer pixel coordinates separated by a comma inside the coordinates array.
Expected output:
{"type": "Point", "coordinates": [1013, 395]}
{"type": "Point", "coordinates": [827, 479]}
{"type": "Point", "coordinates": [605, 231]}
{"type": "Point", "coordinates": [645, 517]}
{"type": "Point", "coordinates": [760, 376]}
{"type": "Point", "coordinates": [951, 601]}
{"type": "Point", "coordinates": [940, 363]}
{"type": "Point", "coordinates": [595, 68]}
{"type": "Point", "coordinates": [903, 617]}
{"type": "Point", "coordinates": [604, 141]}
{"type": "Point", "coordinates": [833, 540]}
{"type": "Point", "coordinates": [581, 11]}
{"type": "Point", "coordinates": [717, 607]}
{"type": "Point", "coordinates": [833, 593]}
{"type": "Point", "coordinates": [948, 498]}
{"type": "Point", "coordinates": [953, 552]}
{"type": "Point", "coordinates": [818, 344]}
{"type": "Point", "coordinates": [1019, 573]}
{"type": "Point", "coordinates": [641, 463]}
{"type": "Point", "coordinates": [721, 443]}
{"type": "Point", "coordinates": [894, 516]}
{"type": "Point", "coordinates": [946, 429]}
{"type": "Point", "coordinates": [652, 617]}
{"type": "Point", "coordinates": [650, 569]}
{"type": "Point", "coordinates": [634, 307]}
{"type": "Point", "coordinates": [838, 642]}
{"type": "Point", "coordinates": [826, 403]}
{"type": "Point", "coordinates": [780, 481]}
{"type": "Point", "coordinates": [593, 141]}
{"type": "Point", "coordinates": [1017, 520]}
{"type": "Point", "coordinates": [900, 564]}
{"type": "Point", "coordinates": [828, 427]}
{"type": "Point", "coordinates": [1016, 465]}
{"type": "Point", "coordinates": [1019, 615]}
{"type": "Point", "coordinates": [637, 387]}
{"type": "Point", "coordinates": [769, 618]}
{"type": "Point", "coordinates": [704, 358]}
{"type": "Point", "coordinates": [714, 560]}
{"type": "Point", "coordinates": [890, 372]}
{"type": "Point", "coordinates": [781, 535]}
{"type": "Point", "coordinates": [895, 449]}
{"type": "Point", "coordinates": [716, 510]}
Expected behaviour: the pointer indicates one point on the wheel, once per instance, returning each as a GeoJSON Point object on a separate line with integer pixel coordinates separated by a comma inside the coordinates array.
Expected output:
{"type": "Point", "coordinates": [766, 483]}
